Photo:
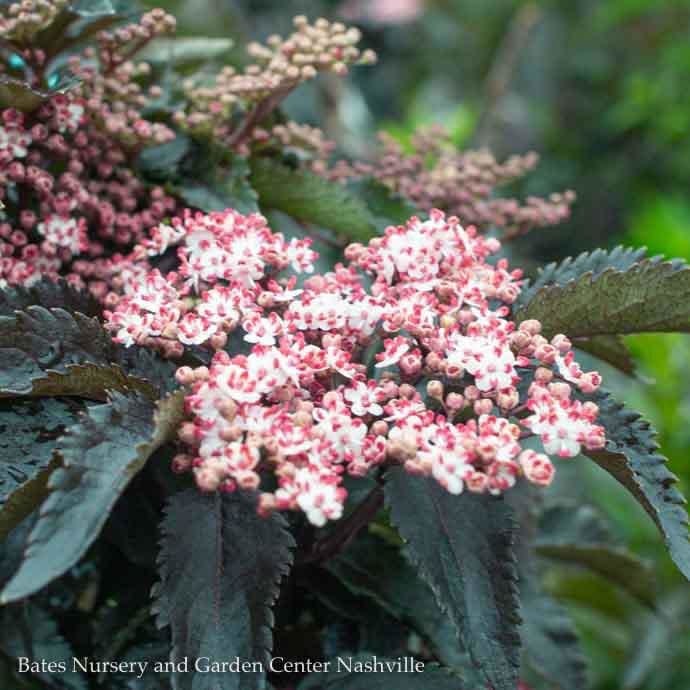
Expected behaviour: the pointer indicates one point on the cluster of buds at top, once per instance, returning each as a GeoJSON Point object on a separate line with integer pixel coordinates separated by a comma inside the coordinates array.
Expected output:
{"type": "Point", "coordinates": [278, 67]}
{"type": "Point", "coordinates": [312, 48]}
{"type": "Point", "coordinates": [308, 143]}
{"type": "Point", "coordinates": [21, 21]}
{"type": "Point", "coordinates": [436, 175]}
{"type": "Point", "coordinates": [406, 356]}
{"type": "Point", "coordinates": [110, 81]}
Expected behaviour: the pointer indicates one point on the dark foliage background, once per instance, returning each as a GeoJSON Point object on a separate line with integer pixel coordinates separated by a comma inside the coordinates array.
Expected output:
{"type": "Point", "coordinates": [599, 90]}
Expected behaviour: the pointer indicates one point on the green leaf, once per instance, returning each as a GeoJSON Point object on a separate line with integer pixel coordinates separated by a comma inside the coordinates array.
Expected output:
{"type": "Point", "coordinates": [387, 207]}
{"type": "Point", "coordinates": [338, 678]}
{"type": "Point", "coordinates": [220, 566]}
{"type": "Point", "coordinates": [615, 564]}
{"type": "Point", "coordinates": [100, 456]}
{"type": "Point", "coordinates": [576, 535]}
{"type": "Point", "coordinates": [29, 631]}
{"type": "Point", "coordinates": [162, 162]}
{"type": "Point", "coordinates": [311, 199]}
{"type": "Point", "coordinates": [378, 570]}
{"type": "Point", "coordinates": [462, 547]}
{"type": "Point", "coordinates": [15, 93]}
{"type": "Point", "coordinates": [178, 51]}
{"type": "Point", "coordinates": [661, 646]}
{"type": "Point", "coordinates": [650, 296]}
{"type": "Point", "coordinates": [220, 190]}
{"type": "Point", "coordinates": [29, 430]}
{"type": "Point", "coordinates": [631, 457]}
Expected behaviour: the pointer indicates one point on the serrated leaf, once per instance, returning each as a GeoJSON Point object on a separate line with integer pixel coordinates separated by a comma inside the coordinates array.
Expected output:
{"type": "Point", "coordinates": [100, 456]}
{"type": "Point", "coordinates": [338, 678]}
{"type": "Point", "coordinates": [50, 352]}
{"type": "Point", "coordinates": [462, 547]}
{"type": "Point", "coordinates": [650, 296]}
{"type": "Point", "coordinates": [378, 570]}
{"type": "Point", "coordinates": [178, 51]}
{"type": "Point", "coordinates": [596, 262]}
{"type": "Point", "coordinates": [29, 430]}
{"type": "Point", "coordinates": [609, 348]}
{"type": "Point", "coordinates": [38, 340]}
{"type": "Point", "coordinates": [386, 207]}
{"type": "Point", "coordinates": [311, 199]}
{"type": "Point", "coordinates": [148, 366]}
{"type": "Point", "coordinates": [30, 632]}
{"type": "Point", "coordinates": [220, 190]}
{"type": "Point", "coordinates": [631, 457]}
{"type": "Point", "coordinates": [220, 566]}
{"type": "Point", "coordinates": [48, 294]}
{"type": "Point", "coordinates": [551, 645]}
{"type": "Point", "coordinates": [15, 93]}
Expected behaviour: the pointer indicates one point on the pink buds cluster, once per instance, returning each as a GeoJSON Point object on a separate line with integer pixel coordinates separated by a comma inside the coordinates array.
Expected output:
{"type": "Point", "coordinates": [418, 365]}
{"type": "Point", "coordinates": [463, 183]}
{"type": "Point", "coordinates": [110, 80]}
{"type": "Point", "coordinates": [21, 21]}
{"type": "Point", "coordinates": [69, 191]}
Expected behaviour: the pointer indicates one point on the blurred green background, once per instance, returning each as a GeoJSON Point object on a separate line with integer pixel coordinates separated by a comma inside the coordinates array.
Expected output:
{"type": "Point", "coordinates": [600, 89]}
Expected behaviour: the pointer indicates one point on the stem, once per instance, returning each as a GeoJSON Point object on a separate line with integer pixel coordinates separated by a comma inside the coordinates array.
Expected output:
{"type": "Point", "coordinates": [347, 529]}
{"type": "Point", "coordinates": [260, 111]}
{"type": "Point", "coordinates": [504, 65]}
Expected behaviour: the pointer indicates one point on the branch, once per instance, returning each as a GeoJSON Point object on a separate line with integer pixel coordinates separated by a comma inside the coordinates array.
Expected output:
{"type": "Point", "coordinates": [260, 111]}
{"type": "Point", "coordinates": [504, 65]}
{"type": "Point", "coordinates": [347, 528]}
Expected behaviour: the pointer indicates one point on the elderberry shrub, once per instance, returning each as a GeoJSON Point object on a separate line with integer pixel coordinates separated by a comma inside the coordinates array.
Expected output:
{"type": "Point", "coordinates": [300, 400]}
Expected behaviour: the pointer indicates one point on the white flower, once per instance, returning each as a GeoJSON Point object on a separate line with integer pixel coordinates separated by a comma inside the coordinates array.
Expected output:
{"type": "Point", "coordinates": [15, 141]}
{"type": "Point", "coordinates": [363, 399]}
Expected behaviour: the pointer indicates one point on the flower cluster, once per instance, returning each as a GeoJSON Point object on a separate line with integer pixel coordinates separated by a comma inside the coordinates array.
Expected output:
{"type": "Point", "coordinates": [70, 192]}
{"type": "Point", "coordinates": [21, 21]}
{"type": "Point", "coordinates": [72, 197]}
{"type": "Point", "coordinates": [110, 80]}
{"type": "Point", "coordinates": [436, 175]}
{"type": "Point", "coordinates": [405, 356]}
{"type": "Point", "coordinates": [223, 279]}
{"type": "Point", "coordinates": [278, 68]}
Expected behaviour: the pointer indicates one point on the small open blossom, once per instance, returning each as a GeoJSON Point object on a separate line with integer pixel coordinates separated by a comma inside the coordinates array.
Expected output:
{"type": "Point", "coordinates": [406, 356]}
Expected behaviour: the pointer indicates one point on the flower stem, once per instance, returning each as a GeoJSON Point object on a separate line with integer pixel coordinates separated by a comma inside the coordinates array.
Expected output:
{"type": "Point", "coordinates": [347, 529]}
